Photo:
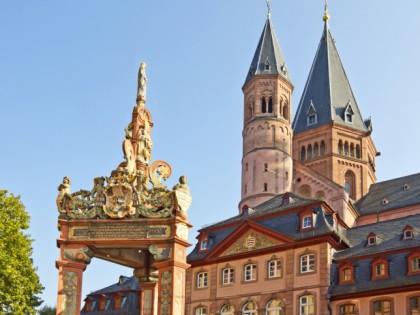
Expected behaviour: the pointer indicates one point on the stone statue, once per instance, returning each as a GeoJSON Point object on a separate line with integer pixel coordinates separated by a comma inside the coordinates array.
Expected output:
{"type": "Point", "coordinates": [97, 192]}
{"type": "Point", "coordinates": [144, 144]}
{"type": "Point", "coordinates": [129, 131]}
{"type": "Point", "coordinates": [142, 84]}
{"type": "Point", "coordinates": [63, 190]}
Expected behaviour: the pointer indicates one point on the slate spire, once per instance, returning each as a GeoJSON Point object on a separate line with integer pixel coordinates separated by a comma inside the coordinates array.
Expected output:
{"type": "Point", "coordinates": [268, 58]}
{"type": "Point", "coordinates": [328, 96]}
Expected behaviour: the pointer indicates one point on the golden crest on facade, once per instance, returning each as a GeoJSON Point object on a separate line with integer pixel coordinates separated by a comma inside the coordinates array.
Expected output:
{"type": "Point", "coordinates": [119, 197]}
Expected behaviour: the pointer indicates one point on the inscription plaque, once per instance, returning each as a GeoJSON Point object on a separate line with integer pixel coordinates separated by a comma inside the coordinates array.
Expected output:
{"type": "Point", "coordinates": [123, 230]}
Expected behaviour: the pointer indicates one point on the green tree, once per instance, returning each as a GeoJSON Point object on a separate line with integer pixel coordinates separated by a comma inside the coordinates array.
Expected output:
{"type": "Point", "coordinates": [47, 310]}
{"type": "Point", "coordinates": [19, 283]}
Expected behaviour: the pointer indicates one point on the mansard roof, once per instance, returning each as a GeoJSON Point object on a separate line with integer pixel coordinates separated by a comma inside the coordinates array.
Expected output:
{"type": "Point", "coordinates": [126, 287]}
{"type": "Point", "coordinates": [268, 53]}
{"type": "Point", "coordinates": [390, 246]}
{"type": "Point", "coordinates": [389, 238]}
{"type": "Point", "coordinates": [328, 90]}
{"type": "Point", "coordinates": [275, 216]}
{"type": "Point", "coordinates": [392, 194]}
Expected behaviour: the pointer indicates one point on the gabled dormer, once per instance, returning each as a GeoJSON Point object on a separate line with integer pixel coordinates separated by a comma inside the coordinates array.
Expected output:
{"type": "Point", "coordinates": [311, 115]}
{"type": "Point", "coordinates": [348, 113]}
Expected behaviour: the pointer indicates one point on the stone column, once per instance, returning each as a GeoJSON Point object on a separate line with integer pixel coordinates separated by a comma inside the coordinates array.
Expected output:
{"type": "Point", "coordinates": [148, 301]}
{"type": "Point", "coordinates": [70, 275]}
{"type": "Point", "coordinates": [171, 288]}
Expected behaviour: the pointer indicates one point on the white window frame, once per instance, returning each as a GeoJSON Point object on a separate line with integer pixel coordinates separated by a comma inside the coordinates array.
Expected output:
{"type": "Point", "coordinates": [250, 272]}
{"type": "Point", "coordinates": [274, 310]}
{"type": "Point", "coordinates": [228, 275]}
{"type": "Point", "coordinates": [202, 280]}
{"type": "Point", "coordinates": [204, 244]}
{"type": "Point", "coordinates": [307, 263]}
{"type": "Point", "coordinates": [307, 221]}
{"type": "Point", "coordinates": [275, 268]}
{"type": "Point", "coordinates": [305, 304]}
{"type": "Point", "coordinates": [200, 311]}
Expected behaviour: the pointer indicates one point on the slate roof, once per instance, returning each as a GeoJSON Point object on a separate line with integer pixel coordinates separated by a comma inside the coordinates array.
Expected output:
{"type": "Point", "coordinates": [389, 240]}
{"type": "Point", "coordinates": [328, 90]}
{"type": "Point", "coordinates": [389, 235]}
{"type": "Point", "coordinates": [286, 223]}
{"type": "Point", "coordinates": [268, 52]}
{"type": "Point", "coordinates": [363, 283]}
{"type": "Point", "coordinates": [397, 193]}
{"type": "Point", "coordinates": [127, 287]}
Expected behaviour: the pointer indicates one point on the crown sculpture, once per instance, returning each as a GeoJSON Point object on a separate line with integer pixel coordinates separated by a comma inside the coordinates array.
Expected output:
{"type": "Point", "coordinates": [127, 193]}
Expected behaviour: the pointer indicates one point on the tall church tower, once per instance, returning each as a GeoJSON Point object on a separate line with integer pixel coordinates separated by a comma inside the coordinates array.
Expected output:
{"type": "Point", "coordinates": [330, 135]}
{"type": "Point", "coordinates": [267, 164]}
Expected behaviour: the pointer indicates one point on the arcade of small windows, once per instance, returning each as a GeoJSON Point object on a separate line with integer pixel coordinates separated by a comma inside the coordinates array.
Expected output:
{"type": "Point", "coordinates": [349, 149]}
{"type": "Point", "coordinates": [312, 151]}
{"type": "Point", "coordinates": [266, 105]}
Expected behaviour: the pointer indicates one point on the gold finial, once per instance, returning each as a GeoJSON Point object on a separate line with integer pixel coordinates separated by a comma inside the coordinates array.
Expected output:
{"type": "Point", "coordinates": [268, 8]}
{"type": "Point", "coordinates": [326, 15]}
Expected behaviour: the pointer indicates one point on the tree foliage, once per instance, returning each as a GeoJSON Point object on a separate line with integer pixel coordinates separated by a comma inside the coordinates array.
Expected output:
{"type": "Point", "coordinates": [47, 310]}
{"type": "Point", "coordinates": [19, 283]}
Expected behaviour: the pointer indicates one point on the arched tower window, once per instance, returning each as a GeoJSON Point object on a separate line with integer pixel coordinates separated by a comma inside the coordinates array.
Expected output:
{"type": "Point", "coordinates": [286, 111]}
{"type": "Point", "coordinates": [316, 149]}
{"type": "Point", "coordinates": [349, 183]}
{"type": "Point", "coordinates": [352, 150]}
{"type": "Point", "coordinates": [265, 187]}
{"type": "Point", "coordinates": [309, 152]}
{"type": "Point", "coordinates": [358, 152]}
{"type": "Point", "coordinates": [322, 150]}
{"type": "Point", "coordinates": [340, 147]}
{"type": "Point", "coordinates": [303, 154]}
{"type": "Point", "coordinates": [263, 105]}
{"type": "Point", "coordinates": [346, 148]}
{"type": "Point", "coordinates": [270, 104]}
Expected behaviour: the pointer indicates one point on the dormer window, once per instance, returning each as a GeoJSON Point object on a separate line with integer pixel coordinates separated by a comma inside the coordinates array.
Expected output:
{"type": "Point", "coordinates": [406, 187]}
{"type": "Point", "coordinates": [306, 219]}
{"type": "Point", "coordinates": [348, 113]}
{"type": "Point", "coordinates": [204, 244]}
{"type": "Point", "coordinates": [408, 232]}
{"type": "Point", "coordinates": [371, 240]}
{"type": "Point", "coordinates": [311, 115]}
{"type": "Point", "coordinates": [379, 268]}
{"type": "Point", "coordinates": [346, 273]}
{"type": "Point", "coordinates": [267, 66]}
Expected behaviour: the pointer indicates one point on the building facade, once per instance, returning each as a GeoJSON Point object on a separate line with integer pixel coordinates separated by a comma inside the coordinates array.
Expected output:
{"type": "Point", "coordinates": [315, 233]}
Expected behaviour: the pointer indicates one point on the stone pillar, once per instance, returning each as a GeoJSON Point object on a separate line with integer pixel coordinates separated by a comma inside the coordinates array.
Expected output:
{"type": "Point", "coordinates": [70, 275]}
{"type": "Point", "coordinates": [171, 288]}
{"type": "Point", "coordinates": [148, 301]}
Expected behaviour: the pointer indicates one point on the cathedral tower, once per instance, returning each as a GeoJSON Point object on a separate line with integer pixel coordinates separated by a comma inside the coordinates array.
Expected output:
{"type": "Point", "coordinates": [267, 134]}
{"type": "Point", "coordinates": [330, 135]}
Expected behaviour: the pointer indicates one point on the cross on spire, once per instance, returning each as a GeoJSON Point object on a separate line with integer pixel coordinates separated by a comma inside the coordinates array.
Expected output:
{"type": "Point", "coordinates": [268, 7]}
{"type": "Point", "coordinates": [326, 15]}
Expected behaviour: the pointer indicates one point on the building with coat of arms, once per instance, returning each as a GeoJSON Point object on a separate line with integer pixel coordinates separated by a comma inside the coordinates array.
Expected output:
{"type": "Point", "coordinates": [315, 233]}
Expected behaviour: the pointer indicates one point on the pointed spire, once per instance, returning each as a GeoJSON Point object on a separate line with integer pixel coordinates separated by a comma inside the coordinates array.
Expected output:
{"type": "Point", "coordinates": [268, 57]}
{"type": "Point", "coordinates": [328, 90]}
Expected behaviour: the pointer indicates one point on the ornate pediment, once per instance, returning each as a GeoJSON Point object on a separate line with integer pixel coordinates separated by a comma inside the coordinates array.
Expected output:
{"type": "Point", "coordinates": [249, 241]}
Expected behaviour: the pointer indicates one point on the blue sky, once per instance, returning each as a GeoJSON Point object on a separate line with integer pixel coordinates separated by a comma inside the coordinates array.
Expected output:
{"type": "Point", "coordinates": [68, 76]}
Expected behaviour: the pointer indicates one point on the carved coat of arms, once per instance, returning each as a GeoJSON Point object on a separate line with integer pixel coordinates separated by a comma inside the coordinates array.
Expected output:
{"type": "Point", "coordinates": [119, 200]}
